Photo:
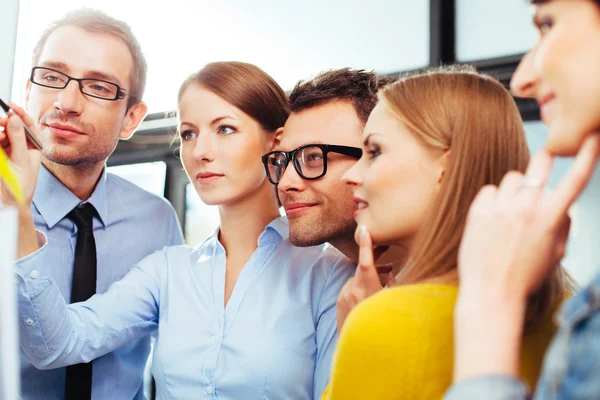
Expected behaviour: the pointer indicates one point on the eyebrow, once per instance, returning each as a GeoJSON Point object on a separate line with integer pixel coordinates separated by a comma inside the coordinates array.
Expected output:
{"type": "Point", "coordinates": [368, 138]}
{"type": "Point", "coordinates": [219, 119]}
{"type": "Point", "coordinates": [93, 74]}
{"type": "Point", "coordinates": [213, 122]}
{"type": "Point", "coordinates": [186, 123]}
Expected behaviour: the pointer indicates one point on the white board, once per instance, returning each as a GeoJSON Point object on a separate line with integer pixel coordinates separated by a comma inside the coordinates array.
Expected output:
{"type": "Point", "coordinates": [9, 341]}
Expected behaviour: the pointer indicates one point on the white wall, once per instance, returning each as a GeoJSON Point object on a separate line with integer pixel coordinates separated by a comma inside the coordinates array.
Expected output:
{"type": "Point", "coordinates": [289, 40]}
{"type": "Point", "coordinates": [493, 28]}
{"type": "Point", "coordinates": [8, 33]}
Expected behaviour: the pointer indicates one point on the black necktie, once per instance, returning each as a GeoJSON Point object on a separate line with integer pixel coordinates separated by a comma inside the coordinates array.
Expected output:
{"type": "Point", "coordinates": [79, 376]}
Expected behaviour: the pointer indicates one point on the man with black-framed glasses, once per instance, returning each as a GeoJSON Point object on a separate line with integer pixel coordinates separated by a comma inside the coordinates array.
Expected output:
{"type": "Point", "coordinates": [84, 94]}
{"type": "Point", "coordinates": [321, 140]}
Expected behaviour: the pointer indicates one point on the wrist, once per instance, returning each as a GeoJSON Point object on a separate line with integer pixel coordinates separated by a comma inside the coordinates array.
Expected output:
{"type": "Point", "coordinates": [28, 240]}
{"type": "Point", "coordinates": [488, 329]}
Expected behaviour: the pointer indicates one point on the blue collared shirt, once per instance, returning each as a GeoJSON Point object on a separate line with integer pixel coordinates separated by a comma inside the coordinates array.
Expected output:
{"type": "Point", "coordinates": [571, 367]}
{"type": "Point", "coordinates": [131, 224]}
{"type": "Point", "coordinates": [273, 340]}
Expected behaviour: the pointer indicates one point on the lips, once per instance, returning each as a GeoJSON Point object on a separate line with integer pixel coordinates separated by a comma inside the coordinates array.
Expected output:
{"type": "Point", "coordinates": [545, 99]}
{"type": "Point", "coordinates": [545, 102]}
{"type": "Point", "coordinates": [360, 205]}
{"type": "Point", "coordinates": [206, 177]}
{"type": "Point", "coordinates": [64, 131]}
{"type": "Point", "coordinates": [294, 209]}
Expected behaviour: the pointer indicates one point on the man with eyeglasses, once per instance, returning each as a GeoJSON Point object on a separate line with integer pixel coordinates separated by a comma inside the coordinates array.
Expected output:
{"type": "Point", "coordinates": [321, 140]}
{"type": "Point", "coordinates": [84, 94]}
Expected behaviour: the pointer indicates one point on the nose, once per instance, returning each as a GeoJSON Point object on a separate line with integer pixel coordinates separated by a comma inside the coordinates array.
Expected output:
{"type": "Point", "coordinates": [291, 181]}
{"type": "Point", "coordinates": [353, 176]}
{"type": "Point", "coordinates": [204, 148]}
{"type": "Point", "coordinates": [525, 79]}
{"type": "Point", "coordinates": [70, 100]}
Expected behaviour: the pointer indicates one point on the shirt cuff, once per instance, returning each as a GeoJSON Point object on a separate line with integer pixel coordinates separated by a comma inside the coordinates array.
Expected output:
{"type": "Point", "coordinates": [493, 387]}
{"type": "Point", "coordinates": [27, 269]}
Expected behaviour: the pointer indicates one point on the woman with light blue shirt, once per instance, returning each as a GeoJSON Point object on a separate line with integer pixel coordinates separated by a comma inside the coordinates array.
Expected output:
{"type": "Point", "coordinates": [246, 315]}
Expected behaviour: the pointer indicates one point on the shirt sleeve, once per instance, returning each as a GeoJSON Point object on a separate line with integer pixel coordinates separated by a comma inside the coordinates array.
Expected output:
{"type": "Point", "coordinates": [327, 324]}
{"type": "Point", "coordinates": [175, 237]}
{"type": "Point", "coordinates": [54, 334]}
{"type": "Point", "coordinates": [493, 387]}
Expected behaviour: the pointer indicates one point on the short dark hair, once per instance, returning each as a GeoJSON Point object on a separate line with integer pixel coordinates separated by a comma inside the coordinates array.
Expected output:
{"type": "Point", "coordinates": [356, 86]}
{"type": "Point", "coordinates": [96, 21]}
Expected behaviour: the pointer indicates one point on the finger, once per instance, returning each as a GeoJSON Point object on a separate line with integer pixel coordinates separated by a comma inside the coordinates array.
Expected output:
{"type": "Point", "coordinates": [576, 178]}
{"type": "Point", "coordinates": [343, 296]}
{"type": "Point", "coordinates": [16, 137]}
{"type": "Point", "coordinates": [3, 137]}
{"type": "Point", "coordinates": [562, 237]}
{"type": "Point", "coordinates": [366, 274]}
{"type": "Point", "coordinates": [29, 123]}
{"type": "Point", "coordinates": [538, 172]}
{"type": "Point", "coordinates": [484, 200]}
{"type": "Point", "coordinates": [509, 187]}
{"type": "Point", "coordinates": [27, 120]}
{"type": "Point", "coordinates": [391, 280]}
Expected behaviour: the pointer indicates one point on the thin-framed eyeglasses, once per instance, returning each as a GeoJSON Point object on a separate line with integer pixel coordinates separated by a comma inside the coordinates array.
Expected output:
{"type": "Point", "coordinates": [98, 88]}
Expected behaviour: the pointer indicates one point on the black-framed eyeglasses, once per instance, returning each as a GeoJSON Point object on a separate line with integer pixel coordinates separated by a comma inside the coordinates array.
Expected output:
{"type": "Point", "coordinates": [98, 88]}
{"type": "Point", "coordinates": [309, 160]}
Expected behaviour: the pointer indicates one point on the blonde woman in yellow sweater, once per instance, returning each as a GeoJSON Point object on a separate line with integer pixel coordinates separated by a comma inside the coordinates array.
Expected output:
{"type": "Point", "coordinates": [433, 141]}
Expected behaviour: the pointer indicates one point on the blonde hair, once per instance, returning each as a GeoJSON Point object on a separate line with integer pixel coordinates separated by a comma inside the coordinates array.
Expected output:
{"type": "Point", "coordinates": [473, 117]}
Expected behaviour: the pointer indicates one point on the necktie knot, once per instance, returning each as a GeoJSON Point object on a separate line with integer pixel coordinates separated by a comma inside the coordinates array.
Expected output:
{"type": "Point", "coordinates": [83, 216]}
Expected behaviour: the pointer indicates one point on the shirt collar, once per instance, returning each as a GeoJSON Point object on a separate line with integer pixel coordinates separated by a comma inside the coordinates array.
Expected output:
{"type": "Point", "coordinates": [281, 226]}
{"type": "Point", "coordinates": [54, 201]}
{"type": "Point", "coordinates": [278, 227]}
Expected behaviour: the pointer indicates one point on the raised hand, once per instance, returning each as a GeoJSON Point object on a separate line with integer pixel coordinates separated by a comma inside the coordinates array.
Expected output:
{"type": "Point", "coordinates": [365, 282]}
{"type": "Point", "coordinates": [24, 158]}
{"type": "Point", "coordinates": [516, 234]}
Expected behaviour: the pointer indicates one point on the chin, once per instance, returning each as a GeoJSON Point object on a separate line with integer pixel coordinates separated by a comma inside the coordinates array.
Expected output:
{"type": "Point", "coordinates": [211, 198]}
{"type": "Point", "coordinates": [565, 139]}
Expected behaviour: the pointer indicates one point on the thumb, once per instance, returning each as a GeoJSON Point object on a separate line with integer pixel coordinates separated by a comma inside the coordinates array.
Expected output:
{"type": "Point", "coordinates": [366, 273]}
{"type": "Point", "coordinates": [16, 137]}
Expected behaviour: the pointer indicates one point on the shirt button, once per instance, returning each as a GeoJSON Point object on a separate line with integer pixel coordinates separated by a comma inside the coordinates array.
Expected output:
{"type": "Point", "coordinates": [17, 281]}
{"type": "Point", "coordinates": [209, 390]}
{"type": "Point", "coordinates": [29, 321]}
{"type": "Point", "coordinates": [34, 274]}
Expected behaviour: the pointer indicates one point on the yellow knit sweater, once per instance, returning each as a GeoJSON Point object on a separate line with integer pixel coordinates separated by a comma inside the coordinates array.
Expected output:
{"type": "Point", "coordinates": [398, 344]}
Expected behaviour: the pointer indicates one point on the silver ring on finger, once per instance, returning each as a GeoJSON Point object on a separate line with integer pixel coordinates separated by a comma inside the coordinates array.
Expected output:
{"type": "Point", "coordinates": [531, 182]}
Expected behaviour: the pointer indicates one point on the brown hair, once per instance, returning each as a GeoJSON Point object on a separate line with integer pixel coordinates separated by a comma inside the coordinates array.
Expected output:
{"type": "Point", "coordinates": [99, 22]}
{"type": "Point", "coordinates": [356, 86]}
{"type": "Point", "coordinates": [247, 88]}
{"type": "Point", "coordinates": [474, 117]}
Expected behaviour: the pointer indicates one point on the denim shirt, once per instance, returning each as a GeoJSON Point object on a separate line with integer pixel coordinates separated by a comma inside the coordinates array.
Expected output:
{"type": "Point", "coordinates": [572, 365]}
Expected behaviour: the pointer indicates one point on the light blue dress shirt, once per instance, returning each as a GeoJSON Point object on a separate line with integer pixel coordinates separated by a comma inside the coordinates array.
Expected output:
{"type": "Point", "coordinates": [273, 340]}
{"type": "Point", "coordinates": [131, 224]}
